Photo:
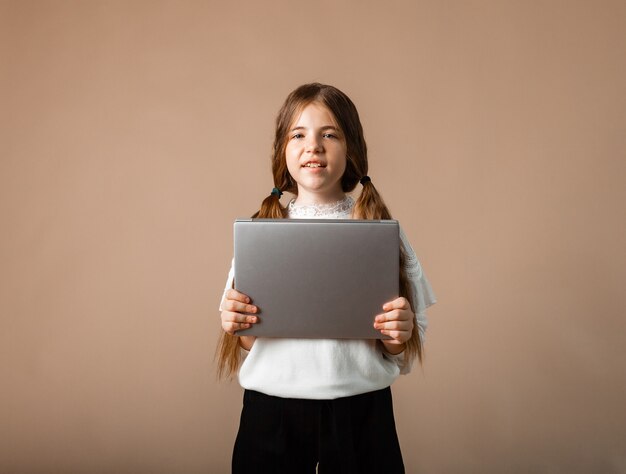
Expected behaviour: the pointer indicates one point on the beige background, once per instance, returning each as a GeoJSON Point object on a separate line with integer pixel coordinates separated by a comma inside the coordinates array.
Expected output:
{"type": "Point", "coordinates": [132, 134]}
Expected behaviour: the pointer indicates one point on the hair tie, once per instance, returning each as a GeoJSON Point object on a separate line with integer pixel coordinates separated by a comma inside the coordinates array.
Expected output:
{"type": "Point", "coordinates": [277, 192]}
{"type": "Point", "coordinates": [365, 179]}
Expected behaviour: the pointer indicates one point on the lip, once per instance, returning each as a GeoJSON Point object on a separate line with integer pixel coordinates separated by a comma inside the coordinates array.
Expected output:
{"type": "Point", "coordinates": [321, 165]}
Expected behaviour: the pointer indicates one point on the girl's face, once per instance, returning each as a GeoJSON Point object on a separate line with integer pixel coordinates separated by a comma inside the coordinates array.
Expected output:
{"type": "Point", "coordinates": [316, 155]}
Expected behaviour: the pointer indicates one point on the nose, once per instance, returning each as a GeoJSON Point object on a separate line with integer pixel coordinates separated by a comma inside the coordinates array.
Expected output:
{"type": "Point", "coordinates": [313, 144]}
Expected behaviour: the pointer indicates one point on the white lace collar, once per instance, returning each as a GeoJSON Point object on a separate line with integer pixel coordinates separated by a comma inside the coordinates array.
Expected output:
{"type": "Point", "coordinates": [339, 209]}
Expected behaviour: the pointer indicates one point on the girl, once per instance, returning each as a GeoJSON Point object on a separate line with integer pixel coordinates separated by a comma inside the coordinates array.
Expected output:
{"type": "Point", "coordinates": [320, 402]}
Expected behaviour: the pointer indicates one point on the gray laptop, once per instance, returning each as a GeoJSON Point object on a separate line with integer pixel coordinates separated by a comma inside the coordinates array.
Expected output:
{"type": "Point", "coordinates": [317, 278]}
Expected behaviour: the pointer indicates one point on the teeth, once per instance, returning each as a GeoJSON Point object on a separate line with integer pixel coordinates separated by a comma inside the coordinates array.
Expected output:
{"type": "Point", "coordinates": [313, 165]}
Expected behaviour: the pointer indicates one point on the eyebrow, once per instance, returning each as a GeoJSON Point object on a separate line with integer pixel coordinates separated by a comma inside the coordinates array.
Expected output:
{"type": "Point", "coordinates": [325, 127]}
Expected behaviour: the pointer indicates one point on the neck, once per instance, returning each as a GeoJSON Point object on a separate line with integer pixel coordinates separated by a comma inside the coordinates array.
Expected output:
{"type": "Point", "coordinates": [312, 199]}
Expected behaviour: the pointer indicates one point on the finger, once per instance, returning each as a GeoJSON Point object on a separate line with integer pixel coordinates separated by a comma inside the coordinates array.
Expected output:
{"type": "Point", "coordinates": [398, 303]}
{"type": "Point", "coordinates": [238, 318]}
{"type": "Point", "coordinates": [238, 307]}
{"type": "Point", "coordinates": [395, 315]}
{"type": "Point", "coordinates": [233, 294]}
{"type": "Point", "coordinates": [395, 325]}
{"type": "Point", "coordinates": [398, 337]}
{"type": "Point", "coordinates": [231, 327]}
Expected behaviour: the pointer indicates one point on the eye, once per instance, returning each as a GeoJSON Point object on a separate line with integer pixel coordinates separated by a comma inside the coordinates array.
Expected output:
{"type": "Point", "coordinates": [297, 135]}
{"type": "Point", "coordinates": [329, 135]}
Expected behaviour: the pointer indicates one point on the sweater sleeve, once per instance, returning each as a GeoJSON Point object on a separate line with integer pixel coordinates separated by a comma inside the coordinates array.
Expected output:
{"type": "Point", "coordinates": [423, 295]}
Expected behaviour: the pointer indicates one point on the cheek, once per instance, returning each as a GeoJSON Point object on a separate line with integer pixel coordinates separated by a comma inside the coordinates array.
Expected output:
{"type": "Point", "coordinates": [292, 151]}
{"type": "Point", "coordinates": [292, 161]}
{"type": "Point", "coordinates": [341, 165]}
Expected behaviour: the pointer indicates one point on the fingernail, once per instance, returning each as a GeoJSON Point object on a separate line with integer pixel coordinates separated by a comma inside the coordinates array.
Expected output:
{"type": "Point", "coordinates": [252, 319]}
{"type": "Point", "coordinates": [246, 325]}
{"type": "Point", "coordinates": [251, 309]}
{"type": "Point", "coordinates": [247, 299]}
{"type": "Point", "coordinates": [385, 306]}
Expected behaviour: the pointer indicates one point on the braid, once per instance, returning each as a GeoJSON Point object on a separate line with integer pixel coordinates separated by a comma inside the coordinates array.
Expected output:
{"type": "Point", "coordinates": [370, 204]}
{"type": "Point", "coordinates": [271, 208]}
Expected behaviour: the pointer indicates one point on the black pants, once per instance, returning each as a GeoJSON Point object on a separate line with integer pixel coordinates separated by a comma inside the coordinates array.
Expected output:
{"type": "Point", "coordinates": [351, 435]}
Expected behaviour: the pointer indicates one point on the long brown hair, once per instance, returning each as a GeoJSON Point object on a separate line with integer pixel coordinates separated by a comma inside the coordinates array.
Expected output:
{"type": "Point", "coordinates": [369, 204]}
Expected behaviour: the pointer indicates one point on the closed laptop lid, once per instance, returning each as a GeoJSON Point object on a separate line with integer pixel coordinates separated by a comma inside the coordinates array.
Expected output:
{"type": "Point", "coordinates": [317, 278]}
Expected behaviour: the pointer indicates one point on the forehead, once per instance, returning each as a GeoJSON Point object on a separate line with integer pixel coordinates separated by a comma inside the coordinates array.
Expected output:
{"type": "Point", "coordinates": [314, 113]}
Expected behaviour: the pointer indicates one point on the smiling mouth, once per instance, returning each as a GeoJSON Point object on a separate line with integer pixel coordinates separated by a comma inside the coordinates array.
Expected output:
{"type": "Point", "coordinates": [313, 165]}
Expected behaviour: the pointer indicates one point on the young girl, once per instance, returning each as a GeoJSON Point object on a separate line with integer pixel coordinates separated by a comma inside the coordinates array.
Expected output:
{"type": "Point", "coordinates": [322, 402]}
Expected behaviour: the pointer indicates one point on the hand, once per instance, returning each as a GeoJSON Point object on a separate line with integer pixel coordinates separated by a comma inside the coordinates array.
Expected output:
{"type": "Point", "coordinates": [397, 322]}
{"type": "Point", "coordinates": [235, 309]}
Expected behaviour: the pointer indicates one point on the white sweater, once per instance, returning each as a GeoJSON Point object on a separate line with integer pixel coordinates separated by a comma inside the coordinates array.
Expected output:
{"type": "Point", "coordinates": [329, 368]}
